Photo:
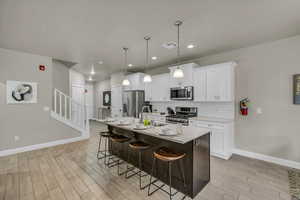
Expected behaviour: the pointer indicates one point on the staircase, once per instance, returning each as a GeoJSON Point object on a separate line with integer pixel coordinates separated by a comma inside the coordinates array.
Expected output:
{"type": "Point", "coordinates": [71, 113]}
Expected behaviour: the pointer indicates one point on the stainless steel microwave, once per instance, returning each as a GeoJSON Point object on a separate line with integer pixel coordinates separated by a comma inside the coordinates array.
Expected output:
{"type": "Point", "coordinates": [182, 93]}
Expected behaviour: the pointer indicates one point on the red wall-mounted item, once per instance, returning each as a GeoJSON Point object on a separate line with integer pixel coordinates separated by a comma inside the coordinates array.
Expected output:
{"type": "Point", "coordinates": [42, 68]}
{"type": "Point", "coordinates": [244, 104]}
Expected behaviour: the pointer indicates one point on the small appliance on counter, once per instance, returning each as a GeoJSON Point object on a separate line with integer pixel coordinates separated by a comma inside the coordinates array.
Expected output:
{"type": "Point", "coordinates": [182, 93]}
{"type": "Point", "coordinates": [170, 111]}
{"type": "Point", "coordinates": [182, 115]}
{"type": "Point", "coordinates": [147, 103]}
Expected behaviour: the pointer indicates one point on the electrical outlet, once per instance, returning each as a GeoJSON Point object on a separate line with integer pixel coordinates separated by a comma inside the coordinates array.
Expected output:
{"type": "Point", "coordinates": [17, 138]}
{"type": "Point", "coordinates": [259, 111]}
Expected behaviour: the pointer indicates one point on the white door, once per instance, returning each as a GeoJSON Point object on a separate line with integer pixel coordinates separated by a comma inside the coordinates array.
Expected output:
{"type": "Point", "coordinates": [89, 100]}
{"type": "Point", "coordinates": [77, 110]}
{"type": "Point", "coordinates": [116, 101]}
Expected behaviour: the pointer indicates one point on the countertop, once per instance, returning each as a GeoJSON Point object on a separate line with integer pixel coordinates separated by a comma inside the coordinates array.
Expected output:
{"type": "Point", "coordinates": [188, 134]}
{"type": "Point", "coordinates": [212, 119]}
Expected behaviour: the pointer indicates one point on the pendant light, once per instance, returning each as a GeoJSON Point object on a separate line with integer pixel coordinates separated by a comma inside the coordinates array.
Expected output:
{"type": "Point", "coordinates": [147, 77]}
{"type": "Point", "coordinates": [178, 73]}
{"type": "Point", "coordinates": [125, 82]}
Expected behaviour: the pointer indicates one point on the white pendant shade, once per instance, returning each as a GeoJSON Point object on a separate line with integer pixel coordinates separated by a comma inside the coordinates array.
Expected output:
{"type": "Point", "coordinates": [125, 82]}
{"type": "Point", "coordinates": [147, 78]}
{"type": "Point", "coordinates": [178, 73]}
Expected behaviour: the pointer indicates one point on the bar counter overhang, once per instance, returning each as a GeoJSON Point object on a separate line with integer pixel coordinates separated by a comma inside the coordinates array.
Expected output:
{"type": "Point", "coordinates": [194, 141]}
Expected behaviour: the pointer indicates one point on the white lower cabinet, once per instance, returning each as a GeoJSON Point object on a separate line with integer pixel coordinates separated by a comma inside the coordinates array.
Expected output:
{"type": "Point", "coordinates": [221, 140]}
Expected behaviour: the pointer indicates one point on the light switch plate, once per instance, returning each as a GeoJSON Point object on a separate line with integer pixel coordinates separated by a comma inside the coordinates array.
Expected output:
{"type": "Point", "coordinates": [259, 111]}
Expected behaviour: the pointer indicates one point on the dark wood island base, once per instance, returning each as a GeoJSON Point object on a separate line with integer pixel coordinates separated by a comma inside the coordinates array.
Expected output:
{"type": "Point", "coordinates": [196, 163]}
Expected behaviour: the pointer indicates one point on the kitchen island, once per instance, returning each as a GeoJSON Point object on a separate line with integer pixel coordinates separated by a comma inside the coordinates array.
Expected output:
{"type": "Point", "coordinates": [193, 141]}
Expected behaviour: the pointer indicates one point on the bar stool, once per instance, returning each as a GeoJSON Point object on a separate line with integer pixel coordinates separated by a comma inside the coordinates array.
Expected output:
{"type": "Point", "coordinates": [139, 147]}
{"type": "Point", "coordinates": [168, 155]}
{"type": "Point", "coordinates": [104, 154]}
{"type": "Point", "coordinates": [120, 139]}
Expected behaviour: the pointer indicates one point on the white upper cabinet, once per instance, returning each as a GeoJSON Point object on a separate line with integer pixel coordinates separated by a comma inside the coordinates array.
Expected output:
{"type": "Point", "coordinates": [220, 82]}
{"type": "Point", "coordinates": [159, 89]}
{"type": "Point", "coordinates": [199, 84]}
{"type": "Point", "coordinates": [214, 83]}
{"type": "Point", "coordinates": [187, 80]}
{"type": "Point", "coordinates": [136, 82]}
{"type": "Point", "coordinates": [148, 91]}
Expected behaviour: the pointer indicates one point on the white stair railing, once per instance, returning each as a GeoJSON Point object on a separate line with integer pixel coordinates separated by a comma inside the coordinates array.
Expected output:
{"type": "Point", "coordinates": [69, 110]}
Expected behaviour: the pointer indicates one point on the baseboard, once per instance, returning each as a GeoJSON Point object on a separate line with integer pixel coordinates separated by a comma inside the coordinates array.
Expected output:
{"type": "Point", "coordinates": [278, 161]}
{"type": "Point", "coordinates": [41, 146]}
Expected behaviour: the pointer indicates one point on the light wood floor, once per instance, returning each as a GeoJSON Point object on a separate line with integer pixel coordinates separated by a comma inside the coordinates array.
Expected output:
{"type": "Point", "coordinates": [72, 172]}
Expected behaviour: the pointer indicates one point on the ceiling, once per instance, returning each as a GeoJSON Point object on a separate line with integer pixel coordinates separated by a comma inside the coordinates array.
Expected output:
{"type": "Point", "coordinates": [89, 31]}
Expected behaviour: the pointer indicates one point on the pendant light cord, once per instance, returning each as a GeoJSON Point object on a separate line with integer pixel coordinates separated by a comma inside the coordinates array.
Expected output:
{"type": "Point", "coordinates": [125, 58]}
{"type": "Point", "coordinates": [178, 45]}
{"type": "Point", "coordinates": [178, 24]}
{"type": "Point", "coordinates": [147, 38]}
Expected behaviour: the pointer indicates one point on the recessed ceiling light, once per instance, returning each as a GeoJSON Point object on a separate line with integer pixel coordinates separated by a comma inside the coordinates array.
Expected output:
{"type": "Point", "coordinates": [90, 78]}
{"type": "Point", "coordinates": [190, 46]}
{"type": "Point", "coordinates": [130, 65]}
{"type": "Point", "coordinates": [154, 58]}
{"type": "Point", "coordinates": [100, 62]}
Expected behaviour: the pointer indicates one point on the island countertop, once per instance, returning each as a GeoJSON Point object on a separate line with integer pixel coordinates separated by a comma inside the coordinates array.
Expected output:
{"type": "Point", "coordinates": [188, 134]}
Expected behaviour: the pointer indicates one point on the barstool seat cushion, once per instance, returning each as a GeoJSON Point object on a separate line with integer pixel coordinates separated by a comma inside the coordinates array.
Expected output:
{"type": "Point", "coordinates": [139, 145]}
{"type": "Point", "coordinates": [105, 134]}
{"type": "Point", "coordinates": [119, 138]}
{"type": "Point", "coordinates": [167, 154]}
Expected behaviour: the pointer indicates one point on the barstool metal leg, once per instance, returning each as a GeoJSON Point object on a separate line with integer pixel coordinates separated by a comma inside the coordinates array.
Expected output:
{"type": "Point", "coordinates": [99, 150]}
{"type": "Point", "coordinates": [121, 161]}
{"type": "Point", "coordinates": [170, 179]}
{"type": "Point", "coordinates": [152, 171]}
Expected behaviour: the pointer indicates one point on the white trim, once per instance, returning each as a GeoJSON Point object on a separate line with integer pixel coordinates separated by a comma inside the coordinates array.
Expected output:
{"type": "Point", "coordinates": [67, 122]}
{"type": "Point", "coordinates": [225, 157]}
{"type": "Point", "coordinates": [41, 146]}
{"type": "Point", "coordinates": [279, 161]}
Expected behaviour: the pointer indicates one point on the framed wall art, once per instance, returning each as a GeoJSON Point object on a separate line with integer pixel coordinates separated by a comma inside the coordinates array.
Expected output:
{"type": "Point", "coordinates": [19, 92]}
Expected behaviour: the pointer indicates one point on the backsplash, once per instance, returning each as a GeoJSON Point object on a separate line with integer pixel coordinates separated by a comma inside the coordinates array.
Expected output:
{"type": "Point", "coordinates": [207, 109]}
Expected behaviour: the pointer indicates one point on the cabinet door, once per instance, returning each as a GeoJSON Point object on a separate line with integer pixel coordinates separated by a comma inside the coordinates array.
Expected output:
{"type": "Point", "coordinates": [148, 91]}
{"type": "Point", "coordinates": [217, 141]}
{"type": "Point", "coordinates": [218, 84]}
{"type": "Point", "coordinates": [160, 87]}
{"type": "Point", "coordinates": [165, 87]}
{"type": "Point", "coordinates": [199, 85]}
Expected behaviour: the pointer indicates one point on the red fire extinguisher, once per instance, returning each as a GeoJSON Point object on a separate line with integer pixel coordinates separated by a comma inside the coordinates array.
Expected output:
{"type": "Point", "coordinates": [244, 103]}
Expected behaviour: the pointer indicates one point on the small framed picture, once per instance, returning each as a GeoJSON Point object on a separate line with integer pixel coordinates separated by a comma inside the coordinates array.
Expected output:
{"type": "Point", "coordinates": [19, 92]}
{"type": "Point", "coordinates": [106, 98]}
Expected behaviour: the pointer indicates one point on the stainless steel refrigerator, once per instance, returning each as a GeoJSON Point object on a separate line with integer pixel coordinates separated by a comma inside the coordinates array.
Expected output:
{"type": "Point", "coordinates": [133, 102]}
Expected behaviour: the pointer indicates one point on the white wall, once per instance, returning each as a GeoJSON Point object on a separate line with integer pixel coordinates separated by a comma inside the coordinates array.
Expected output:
{"type": "Point", "coordinates": [264, 74]}
{"type": "Point", "coordinates": [30, 122]}
{"type": "Point", "coordinates": [61, 77]}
